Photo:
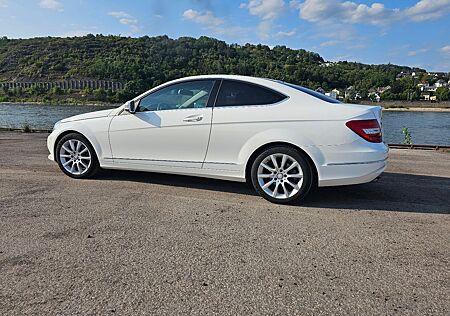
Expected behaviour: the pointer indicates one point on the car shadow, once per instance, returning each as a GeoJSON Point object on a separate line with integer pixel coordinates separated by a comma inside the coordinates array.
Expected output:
{"type": "Point", "coordinates": [393, 192]}
{"type": "Point", "coordinates": [396, 192]}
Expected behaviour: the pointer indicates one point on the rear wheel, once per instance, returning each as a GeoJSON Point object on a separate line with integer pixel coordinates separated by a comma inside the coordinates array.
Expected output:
{"type": "Point", "coordinates": [281, 175]}
{"type": "Point", "coordinates": [76, 156]}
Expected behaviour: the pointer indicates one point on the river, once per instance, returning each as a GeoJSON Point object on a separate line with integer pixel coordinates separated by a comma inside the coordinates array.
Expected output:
{"type": "Point", "coordinates": [425, 127]}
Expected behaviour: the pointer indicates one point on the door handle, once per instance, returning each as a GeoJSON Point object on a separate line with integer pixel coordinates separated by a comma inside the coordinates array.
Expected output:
{"type": "Point", "coordinates": [193, 118]}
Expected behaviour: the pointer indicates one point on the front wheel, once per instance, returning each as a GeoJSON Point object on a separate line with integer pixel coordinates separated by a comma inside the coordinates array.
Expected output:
{"type": "Point", "coordinates": [281, 175]}
{"type": "Point", "coordinates": [76, 156]}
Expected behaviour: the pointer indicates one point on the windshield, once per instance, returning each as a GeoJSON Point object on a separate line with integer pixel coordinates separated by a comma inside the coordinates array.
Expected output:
{"type": "Point", "coordinates": [313, 93]}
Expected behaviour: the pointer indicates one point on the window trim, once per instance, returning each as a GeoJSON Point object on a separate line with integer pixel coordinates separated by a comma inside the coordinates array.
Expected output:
{"type": "Point", "coordinates": [208, 103]}
{"type": "Point", "coordinates": [285, 97]}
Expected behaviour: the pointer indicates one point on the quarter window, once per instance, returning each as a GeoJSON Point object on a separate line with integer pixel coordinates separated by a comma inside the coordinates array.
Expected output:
{"type": "Point", "coordinates": [312, 93]}
{"type": "Point", "coordinates": [184, 95]}
{"type": "Point", "coordinates": [235, 93]}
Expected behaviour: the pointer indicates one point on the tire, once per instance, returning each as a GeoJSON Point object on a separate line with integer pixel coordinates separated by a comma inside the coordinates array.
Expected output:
{"type": "Point", "coordinates": [76, 157]}
{"type": "Point", "coordinates": [288, 181]}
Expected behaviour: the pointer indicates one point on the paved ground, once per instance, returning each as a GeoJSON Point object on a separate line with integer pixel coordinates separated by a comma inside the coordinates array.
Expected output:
{"type": "Point", "coordinates": [133, 243]}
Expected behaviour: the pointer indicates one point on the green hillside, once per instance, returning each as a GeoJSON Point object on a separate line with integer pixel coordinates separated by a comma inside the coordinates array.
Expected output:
{"type": "Point", "coordinates": [141, 63]}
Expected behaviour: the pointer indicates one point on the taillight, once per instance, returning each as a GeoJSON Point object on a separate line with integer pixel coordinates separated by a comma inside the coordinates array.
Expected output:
{"type": "Point", "coordinates": [370, 130]}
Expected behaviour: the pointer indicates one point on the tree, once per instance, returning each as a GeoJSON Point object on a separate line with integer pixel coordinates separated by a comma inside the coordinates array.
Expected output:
{"type": "Point", "coordinates": [100, 94]}
{"type": "Point", "coordinates": [142, 63]}
{"type": "Point", "coordinates": [443, 94]}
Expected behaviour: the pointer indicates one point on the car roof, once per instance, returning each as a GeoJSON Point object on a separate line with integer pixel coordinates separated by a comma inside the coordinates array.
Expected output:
{"type": "Point", "coordinates": [276, 85]}
{"type": "Point", "coordinates": [220, 76]}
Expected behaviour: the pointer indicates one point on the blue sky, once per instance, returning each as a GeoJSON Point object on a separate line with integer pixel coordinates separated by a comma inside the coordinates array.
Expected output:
{"type": "Point", "coordinates": [407, 32]}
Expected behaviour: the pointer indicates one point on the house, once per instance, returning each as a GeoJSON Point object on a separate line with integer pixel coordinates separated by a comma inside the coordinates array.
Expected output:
{"type": "Point", "coordinates": [441, 83]}
{"type": "Point", "coordinates": [320, 90]}
{"type": "Point", "coordinates": [425, 87]}
{"type": "Point", "coordinates": [428, 96]}
{"type": "Point", "coordinates": [333, 93]}
{"type": "Point", "coordinates": [374, 96]}
{"type": "Point", "coordinates": [382, 90]}
{"type": "Point", "coordinates": [403, 75]}
{"type": "Point", "coordinates": [350, 92]}
{"type": "Point", "coordinates": [437, 74]}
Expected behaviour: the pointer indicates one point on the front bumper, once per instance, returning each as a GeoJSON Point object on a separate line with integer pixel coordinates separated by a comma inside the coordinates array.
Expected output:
{"type": "Point", "coordinates": [51, 145]}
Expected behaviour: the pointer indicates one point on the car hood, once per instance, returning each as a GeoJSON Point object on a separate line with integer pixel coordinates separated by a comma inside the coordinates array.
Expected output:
{"type": "Point", "coordinates": [87, 116]}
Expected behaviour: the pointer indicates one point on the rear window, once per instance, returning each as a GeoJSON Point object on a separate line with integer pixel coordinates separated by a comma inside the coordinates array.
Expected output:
{"type": "Point", "coordinates": [235, 93]}
{"type": "Point", "coordinates": [312, 93]}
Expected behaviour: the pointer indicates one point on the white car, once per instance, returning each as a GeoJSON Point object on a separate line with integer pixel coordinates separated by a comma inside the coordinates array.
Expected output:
{"type": "Point", "coordinates": [282, 138]}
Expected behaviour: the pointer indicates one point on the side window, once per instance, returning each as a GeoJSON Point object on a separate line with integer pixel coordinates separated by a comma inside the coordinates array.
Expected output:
{"type": "Point", "coordinates": [235, 93]}
{"type": "Point", "coordinates": [184, 95]}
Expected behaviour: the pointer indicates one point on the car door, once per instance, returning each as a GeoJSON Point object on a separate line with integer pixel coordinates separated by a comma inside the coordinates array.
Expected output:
{"type": "Point", "coordinates": [170, 127]}
{"type": "Point", "coordinates": [242, 110]}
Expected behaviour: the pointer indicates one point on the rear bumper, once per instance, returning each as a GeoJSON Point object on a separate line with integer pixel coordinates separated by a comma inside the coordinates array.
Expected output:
{"type": "Point", "coordinates": [353, 166]}
{"type": "Point", "coordinates": [352, 174]}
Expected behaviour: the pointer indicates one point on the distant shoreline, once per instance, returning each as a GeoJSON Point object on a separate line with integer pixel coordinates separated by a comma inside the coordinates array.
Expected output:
{"type": "Point", "coordinates": [65, 103]}
{"type": "Point", "coordinates": [416, 109]}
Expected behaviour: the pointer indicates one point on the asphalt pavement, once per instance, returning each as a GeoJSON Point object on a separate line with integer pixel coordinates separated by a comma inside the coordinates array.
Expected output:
{"type": "Point", "coordinates": [132, 243]}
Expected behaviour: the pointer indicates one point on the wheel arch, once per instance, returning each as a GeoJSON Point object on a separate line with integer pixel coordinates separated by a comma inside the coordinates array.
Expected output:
{"type": "Point", "coordinates": [264, 147]}
{"type": "Point", "coordinates": [67, 132]}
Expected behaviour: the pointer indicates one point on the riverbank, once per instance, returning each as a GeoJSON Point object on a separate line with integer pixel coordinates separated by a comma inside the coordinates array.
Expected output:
{"type": "Point", "coordinates": [421, 106]}
{"type": "Point", "coordinates": [416, 109]}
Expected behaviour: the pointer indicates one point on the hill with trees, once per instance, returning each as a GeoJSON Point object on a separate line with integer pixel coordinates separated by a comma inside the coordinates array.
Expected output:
{"type": "Point", "coordinates": [145, 62]}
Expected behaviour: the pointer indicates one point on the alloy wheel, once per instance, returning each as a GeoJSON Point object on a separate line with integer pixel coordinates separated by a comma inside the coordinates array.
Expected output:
{"type": "Point", "coordinates": [75, 157]}
{"type": "Point", "coordinates": [280, 176]}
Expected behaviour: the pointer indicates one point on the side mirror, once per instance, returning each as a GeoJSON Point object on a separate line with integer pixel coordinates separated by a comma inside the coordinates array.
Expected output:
{"type": "Point", "coordinates": [130, 106]}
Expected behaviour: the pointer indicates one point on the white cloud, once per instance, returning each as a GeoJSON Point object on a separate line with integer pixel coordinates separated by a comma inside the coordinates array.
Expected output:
{"type": "Point", "coordinates": [418, 51]}
{"type": "Point", "coordinates": [206, 18]}
{"type": "Point", "coordinates": [3, 3]}
{"type": "Point", "coordinates": [342, 58]}
{"type": "Point", "coordinates": [281, 35]}
{"type": "Point", "coordinates": [320, 11]}
{"type": "Point", "coordinates": [347, 12]}
{"type": "Point", "coordinates": [119, 14]}
{"type": "Point", "coordinates": [329, 43]}
{"type": "Point", "coordinates": [126, 19]}
{"type": "Point", "coordinates": [51, 5]}
{"type": "Point", "coordinates": [75, 33]}
{"type": "Point", "coordinates": [446, 49]}
{"type": "Point", "coordinates": [213, 23]}
{"type": "Point", "coordinates": [267, 11]}
{"type": "Point", "coordinates": [428, 10]}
